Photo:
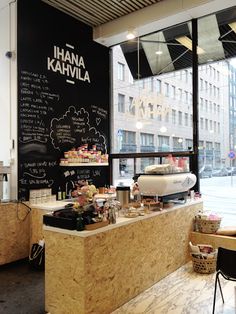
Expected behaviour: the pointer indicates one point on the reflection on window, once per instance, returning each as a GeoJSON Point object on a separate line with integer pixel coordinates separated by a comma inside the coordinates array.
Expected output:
{"type": "Point", "coordinates": [121, 71]}
{"type": "Point", "coordinates": [164, 143]}
{"type": "Point", "coordinates": [177, 144]}
{"type": "Point", "coordinates": [128, 141]}
{"type": "Point", "coordinates": [147, 142]}
{"type": "Point", "coordinates": [121, 103]}
{"type": "Point", "coordinates": [180, 118]}
{"type": "Point", "coordinates": [186, 119]}
{"type": "Point", "coordinates": [131, 106]}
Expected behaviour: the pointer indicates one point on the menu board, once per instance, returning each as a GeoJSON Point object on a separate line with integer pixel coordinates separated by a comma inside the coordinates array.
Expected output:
{"type": "Point", "coordinates": [63, 96]}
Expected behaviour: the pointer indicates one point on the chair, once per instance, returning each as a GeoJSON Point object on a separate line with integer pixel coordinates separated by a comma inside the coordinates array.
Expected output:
{"type": "Point", "coordinates": [226, 267]}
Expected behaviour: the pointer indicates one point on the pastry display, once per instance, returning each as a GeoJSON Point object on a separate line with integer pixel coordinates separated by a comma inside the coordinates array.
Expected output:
{"type": "Point", "coordinates": [84, 155]}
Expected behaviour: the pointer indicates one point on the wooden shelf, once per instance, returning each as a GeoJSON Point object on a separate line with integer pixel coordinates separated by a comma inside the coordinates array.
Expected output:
{"type": "Point", "coordinates": [83, 164]}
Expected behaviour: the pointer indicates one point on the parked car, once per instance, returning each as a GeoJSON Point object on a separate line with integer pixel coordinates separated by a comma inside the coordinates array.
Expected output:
{"type": "Point", "coordinates": [231, 171]}
{"type": "Point", "coordinates": [205, 171]}
{"type": "Point", "coordinates": [219, 172]}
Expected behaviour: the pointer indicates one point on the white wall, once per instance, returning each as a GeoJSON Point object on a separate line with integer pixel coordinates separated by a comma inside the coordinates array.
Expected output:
{"type": "Point", "coordinates": [8, 90]}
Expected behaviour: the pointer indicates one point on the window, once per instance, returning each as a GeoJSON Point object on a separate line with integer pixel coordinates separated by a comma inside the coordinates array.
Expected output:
{"type": "Point", "coordinates": [173, 91]}
{"type": "Point", "coordinates": [189, 144]}
{"type": "Point", "coordinates": [186, 76]}
{"type": "Point", "coordinates": [179, 93]}
{"type": "Point", "coordinates": [214, 91]}
{"type": "Point", "coordinates": [177, 143]}
{"type": "Point", "coordinates": [149, 84]}
{"type": "Point", "coordinates": [186, 97]}
{"type": "Point", "coordinates": [210, 106]}
{"type": "Point", "coordinates": [201, 103]}
{"type": "Point", "coordinates": [166, 90]}
{"type": "Point", "coordinates": [180, 117]}
{"type": "Point", "coordinates": [128, 137]}
{"type": "Point", "coordinates": [201, 84]}
{"type": "Point", "coordinates": [211, 125]}
{"type": "Point", "coordinates": [121, 103]}
{"type": "Point", "coordinates": [164, 143]}
{"type": "Point", "coordinates": [206, 124]}
{"type": "Point", "coordinates": [173, 116]}
{"type": "Point", "coordinates": [209, 145]}
{"type": "Point", "coordinates": [206, 104]}
{"type": "Point", "coordinates": [186, 119]}
{"type": "Point", "coordinates": [158, 86]}
{"type": "Point", "coordinates": [150, 109]}
{"type": "Point", "coordinates": [121, 71]}
{"type": "Point", "coordinates": [146, 139]}
{"type": "Point", "coordinates": [214, 107]}
{"type": "Point", "coordinates": [191, 120]}
{"type": "Point", "coordinates": [131, 106]}
{"type": "Point", "coordinates": [201, 123]}
{"type": "Point", "coordinates": [210, 89]}
{"type": "Point", "coordinates": [167, 117]}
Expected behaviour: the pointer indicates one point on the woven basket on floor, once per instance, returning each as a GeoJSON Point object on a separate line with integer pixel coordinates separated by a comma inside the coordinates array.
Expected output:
{"type": "Point", "coordinates": [207, 226]}
{"type": "Point", "coordinates": [204, 266]}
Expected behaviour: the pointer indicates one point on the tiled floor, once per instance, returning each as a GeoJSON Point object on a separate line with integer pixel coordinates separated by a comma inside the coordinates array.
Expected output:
{"type": "Point", "coordinates": [182, 292]}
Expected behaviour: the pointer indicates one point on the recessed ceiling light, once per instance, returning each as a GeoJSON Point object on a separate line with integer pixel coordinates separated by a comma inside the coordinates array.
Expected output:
{"type": "Point", "coordinates": [233, 26]}
{"type": "Point", "coordinates": [187, 42]}
{"type": "Point", "coordinates": [158, 52]}
{"type": "Point", "coordinates": [130, 35]}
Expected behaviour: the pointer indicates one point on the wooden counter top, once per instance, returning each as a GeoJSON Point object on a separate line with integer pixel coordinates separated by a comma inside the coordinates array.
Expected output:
{"type": "Point", "coordinates": [121, 221]}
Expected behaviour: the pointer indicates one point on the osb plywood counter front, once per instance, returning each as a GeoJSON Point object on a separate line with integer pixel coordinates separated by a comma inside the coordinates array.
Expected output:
{"type": "Point", "coordinates": [14, 232]}
{"type": "Point", "coordinates": [98, 271]}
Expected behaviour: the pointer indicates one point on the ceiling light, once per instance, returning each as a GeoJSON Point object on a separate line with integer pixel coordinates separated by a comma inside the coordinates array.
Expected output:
{"type": "Point", "coordinates": [187, 42]}
{"type": "Point", "coordinates": [233, 26]}
{"type": "Point", "coordinates": [180, 140]}
{"type": "Point", "coordinates": [130, 35]}
{"type": "Point", "coordinates": [158, 52]}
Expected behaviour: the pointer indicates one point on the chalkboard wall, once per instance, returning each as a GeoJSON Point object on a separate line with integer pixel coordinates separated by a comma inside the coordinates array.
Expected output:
{"type": "Point", "coordinates": [63, 96]}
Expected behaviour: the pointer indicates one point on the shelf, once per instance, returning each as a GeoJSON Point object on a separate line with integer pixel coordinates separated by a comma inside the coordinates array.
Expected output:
{"type": "Point", "coordinates": [83, 164]}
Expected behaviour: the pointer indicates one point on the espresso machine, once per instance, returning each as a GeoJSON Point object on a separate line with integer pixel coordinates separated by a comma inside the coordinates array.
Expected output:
{"type": "Point", "coordinates": [4, 183]}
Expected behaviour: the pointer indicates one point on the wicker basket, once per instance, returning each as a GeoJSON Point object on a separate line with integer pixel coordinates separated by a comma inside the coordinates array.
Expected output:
{"type": "Point", "coordinates": [207, 226]}
{"type": "Point", "coordinates": [204, 266]}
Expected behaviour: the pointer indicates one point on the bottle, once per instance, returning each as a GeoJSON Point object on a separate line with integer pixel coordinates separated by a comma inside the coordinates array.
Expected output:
{"type": "Point", "coordinates": [79, 223]}
{"type": "Point", "coordinates": [59, 194]}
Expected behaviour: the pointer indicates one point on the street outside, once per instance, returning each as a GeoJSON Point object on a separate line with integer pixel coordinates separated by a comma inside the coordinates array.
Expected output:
{"type": "Point", "coordinates": [219, 196]}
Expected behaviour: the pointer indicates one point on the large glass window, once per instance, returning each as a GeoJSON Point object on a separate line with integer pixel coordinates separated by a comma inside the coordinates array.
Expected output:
{"type": "Point", "coordinates": [160, 102]}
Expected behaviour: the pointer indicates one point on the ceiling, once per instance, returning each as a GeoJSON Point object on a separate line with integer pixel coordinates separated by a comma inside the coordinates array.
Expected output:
{"type": "Point", "coordinates": [98, 12]}
{"type": "Point", "coordinates": [161, 52]}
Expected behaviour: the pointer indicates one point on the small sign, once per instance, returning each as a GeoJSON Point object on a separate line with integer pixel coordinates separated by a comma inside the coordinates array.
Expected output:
{"type": "Point", "coordinates": [231, 155]}
{"type": "Point", "coordinates": [120, 132]}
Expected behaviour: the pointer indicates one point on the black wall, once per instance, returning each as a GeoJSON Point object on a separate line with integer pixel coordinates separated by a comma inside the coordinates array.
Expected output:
{"type": "Point", "coordinates": [63, 96]}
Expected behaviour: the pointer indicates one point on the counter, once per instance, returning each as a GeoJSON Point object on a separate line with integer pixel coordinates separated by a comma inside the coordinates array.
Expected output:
{"type": "Point", "coordinates": [14, 232]}
{"type": "Point", "coordinates": [36, 218]}
{"type": "Point", "coordinates": [98, 271]}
